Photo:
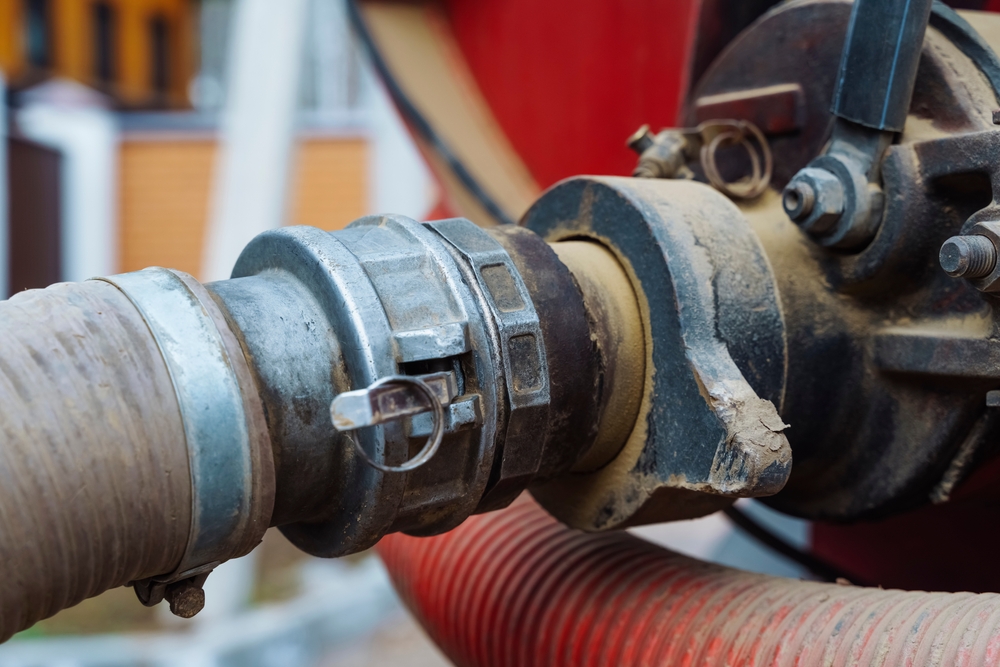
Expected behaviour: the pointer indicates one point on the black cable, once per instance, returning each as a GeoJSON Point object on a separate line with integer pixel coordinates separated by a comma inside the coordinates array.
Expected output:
{"type": "Point", "coordinates": [957, 30]}
{"type": "Point", "coordinates": [816, 565]}
{"type": "Point", "coordinates": [420, 124]}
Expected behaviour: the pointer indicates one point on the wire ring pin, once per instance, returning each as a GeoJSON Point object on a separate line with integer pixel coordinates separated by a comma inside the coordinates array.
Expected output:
{"type": "Point", "coordinates": [391, 398]}
{"type": "Point", "coordinates": [718, 134]}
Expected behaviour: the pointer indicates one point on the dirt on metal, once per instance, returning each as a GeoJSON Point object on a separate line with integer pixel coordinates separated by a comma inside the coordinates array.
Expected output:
{"type": "Point", "coordinates": [618, 334]}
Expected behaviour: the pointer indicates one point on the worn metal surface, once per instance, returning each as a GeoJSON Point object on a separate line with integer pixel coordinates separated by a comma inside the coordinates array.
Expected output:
{"type": "Point", "coordinates": [232, 487]}
{"type": "Point", "coordinates": [305, 326]}
{"type": "Point", "coordinates": [520, 353]}
{"type": "Point", "coordinates": [708, 429]}
{"type": "Point", "coordinates": [574, 370]}
{"type": "Point", "coordinates": [846, 180]}
{"type": "Point", "coordinates": [619, 345]}
{"type": "Point", "coordinates": [774, 109]}
{"type": "Point", "coordinates": [94, 484]}
{"type": "Point", "coordinates": [387, 401]}
{"type": "Point", "coordinates": [871, 99]}
{"type": "Point", "coordinates": [341, 287]}
{"type": "Point", "coordinates": [329, 315]}
{"type": "Point", "coordinates": [888, 357]}
{"type": "Point", "coordinates": [814, 31]}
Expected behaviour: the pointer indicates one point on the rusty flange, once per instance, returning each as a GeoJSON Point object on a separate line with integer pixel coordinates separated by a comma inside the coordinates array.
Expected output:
{"type": "Point", "coordinates": [708, 430]}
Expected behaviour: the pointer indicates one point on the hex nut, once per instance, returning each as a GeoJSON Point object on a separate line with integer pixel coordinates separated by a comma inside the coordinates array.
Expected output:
{"type": "Point", "coordinates": [993, 398]}
{"type": "Point", "coordinates": [990, 230]}
{"type": "Point", "coordinates": [640, 140]}
{"type": "Point", "coordinates": [814, 200]}
{"type": "Point", "coordinates": [798, 199]}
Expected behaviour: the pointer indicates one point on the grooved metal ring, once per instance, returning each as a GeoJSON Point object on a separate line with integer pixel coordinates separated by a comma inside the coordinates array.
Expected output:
{"type": "Point", "coordinates": [515, 320]}
{"type": "Point", "coordinates": [433, 443]}
{"type": "Point", "coordinates": [215, 423]}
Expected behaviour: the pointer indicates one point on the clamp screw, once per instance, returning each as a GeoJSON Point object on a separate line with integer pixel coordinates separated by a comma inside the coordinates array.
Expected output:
{"type": "Point", "coordinates": [968, 256]}
{"type": "Point", "coordinates": [186, 598]}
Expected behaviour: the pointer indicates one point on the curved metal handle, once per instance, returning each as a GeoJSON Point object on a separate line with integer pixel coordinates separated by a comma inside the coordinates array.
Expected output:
{"type": "Point", "coordinates": [878, 66]}
{"type": "Point", "coordinates": [391, 398]}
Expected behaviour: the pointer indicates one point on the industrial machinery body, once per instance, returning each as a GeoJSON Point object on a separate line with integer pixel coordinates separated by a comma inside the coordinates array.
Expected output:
{"type": "Point", "coordinates": [821, 335]}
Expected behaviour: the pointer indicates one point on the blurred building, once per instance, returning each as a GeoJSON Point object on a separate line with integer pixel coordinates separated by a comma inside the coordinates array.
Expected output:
{"type": "Point", "coordinates": [141, 53]}
{"type": "Point", "coordinates": [115, 110]}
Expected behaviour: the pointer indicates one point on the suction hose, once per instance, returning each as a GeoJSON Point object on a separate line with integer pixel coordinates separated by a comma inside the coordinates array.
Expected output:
{"type": "Point", "coordinates": [517, 588]}
{"type": "Point", "coordinates": [94, 488]}
{"type": "Point", "coordinates": [101, 476]}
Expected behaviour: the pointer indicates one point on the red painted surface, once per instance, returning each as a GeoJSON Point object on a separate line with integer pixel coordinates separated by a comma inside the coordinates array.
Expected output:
{"type": "Point", "coordinates": [949, 547]}
{"type": "Point", "coordinates": [516, 589]}
{"type": "Point", "coordinates": [570, 80]}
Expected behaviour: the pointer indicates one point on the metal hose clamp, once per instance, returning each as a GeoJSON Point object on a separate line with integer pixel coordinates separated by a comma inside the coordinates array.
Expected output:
{"type": "Point", "coordinates": [228, 447]}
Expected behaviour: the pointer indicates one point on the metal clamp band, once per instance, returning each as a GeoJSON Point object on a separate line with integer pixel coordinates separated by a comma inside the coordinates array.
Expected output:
{"type": "Point", "coordinates": [522, 347]}
{"type": "Point", "coordinates": [222, 441]}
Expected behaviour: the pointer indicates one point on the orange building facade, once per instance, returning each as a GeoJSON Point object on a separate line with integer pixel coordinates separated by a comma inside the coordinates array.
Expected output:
{"type": "Point", "coordinates": [142, 53]}
{"type": "Point", "coordinates": [165, 191]}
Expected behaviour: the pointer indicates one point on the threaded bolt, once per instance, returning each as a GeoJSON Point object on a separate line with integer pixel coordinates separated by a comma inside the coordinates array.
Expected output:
{"type": "Point", "coordinates": [968, 256]}
{"type": "Point", "coordinates": [186, 598]}
{"type": "Point", "coordinates": [640, 140]}
{"type": "Point", "coordinates": [798, 199]}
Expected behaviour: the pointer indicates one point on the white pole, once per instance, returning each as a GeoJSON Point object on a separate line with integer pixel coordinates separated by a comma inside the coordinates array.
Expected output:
{"type": "Point", "coordinates": [76, 121]}
{"type": "Point", "coordinates": [251, 173]}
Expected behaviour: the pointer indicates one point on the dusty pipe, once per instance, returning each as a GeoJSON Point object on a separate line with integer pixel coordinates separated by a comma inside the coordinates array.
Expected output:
{"type": "Point", "coordinates": [107, 473]}
{"type": "Point", "coordinates": [94, 478]}
{"type": "Point", "coordinates": [516, 588]}
{"type": "Point", "coordinates": [146, 398]}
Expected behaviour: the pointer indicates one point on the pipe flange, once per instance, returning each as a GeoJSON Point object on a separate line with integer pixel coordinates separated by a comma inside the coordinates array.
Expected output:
{"type": "Point", "coordinates": [435, 322]}
{"type": "Point", "coordinates": [229, 449]}
{"type": "Point", "coordinates": [518, 334]}
{"type": "Point", "coordinates": [708, 429]}
{"type": "Point", "coordinates": [392, 294]}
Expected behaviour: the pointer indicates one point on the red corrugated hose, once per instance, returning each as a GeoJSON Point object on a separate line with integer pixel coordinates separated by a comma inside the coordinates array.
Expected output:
{"type": "Point", "coordinates": [515, 588]}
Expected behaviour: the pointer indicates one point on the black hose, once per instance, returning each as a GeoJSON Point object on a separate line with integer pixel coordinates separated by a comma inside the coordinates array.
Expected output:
{"type": "Point", "coordinates": [419, 123]}
{"type": "Point", "coordinates": [817, 566]}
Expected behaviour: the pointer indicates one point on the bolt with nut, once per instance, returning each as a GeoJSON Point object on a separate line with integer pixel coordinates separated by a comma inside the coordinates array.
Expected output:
{"type": "Point", "coordinates": [798, 200]}
{"type": "Point", "coordinates": [969, 257]}
{"type": "Point", "coordinates": [814, 200]}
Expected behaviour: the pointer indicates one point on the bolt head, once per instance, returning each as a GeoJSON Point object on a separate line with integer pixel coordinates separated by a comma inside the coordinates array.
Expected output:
{"type": "Point", "coordinates": [993, 399]}
{"type": "Point", "coordinates": [187, 601]}
{"type": "Point", "coordinates": [996, 117]}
